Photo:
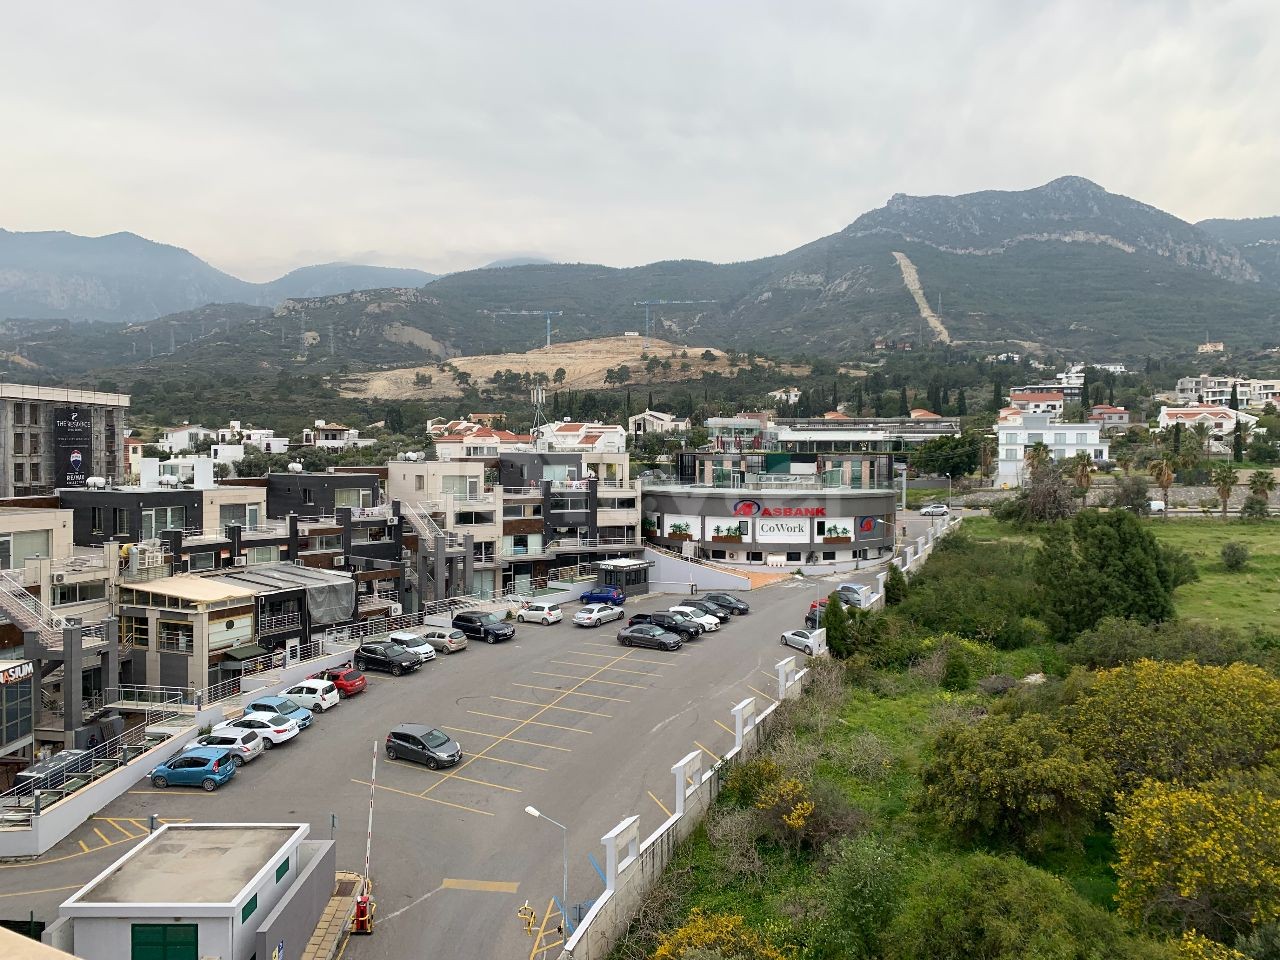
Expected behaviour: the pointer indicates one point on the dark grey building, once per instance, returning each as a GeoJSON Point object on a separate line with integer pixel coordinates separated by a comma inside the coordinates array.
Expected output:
{"type": "Point", "coordinates": [320, 494]}
{"type": "Point", "coordinates": [52, 437]}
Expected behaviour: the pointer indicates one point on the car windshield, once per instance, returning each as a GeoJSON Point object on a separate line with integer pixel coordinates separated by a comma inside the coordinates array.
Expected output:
{"type": "Point", "coordinates": [490, 618]}
{"type": "Point", "coordinates": [279, 720]}
{"type": "Point", "coordinates": [435, 738]}
{"type": "Point", "coordinates": [457, 635]}
{"type": "Point", "coordinates": [393, 650]}
{"type": "Point", "coordinates": [288, 706]}
{"type": "Point", "coordinates": [352, 675]}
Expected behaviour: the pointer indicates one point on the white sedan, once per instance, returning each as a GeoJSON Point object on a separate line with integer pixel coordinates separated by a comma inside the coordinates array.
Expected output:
{"type": "Point", "coordinates": [802, 640]}
{"type": "Point", "coordinates": [273, 728]}
{"type": "Point", "coordinates": [935, 510]}
{"type": "Point", "coordinates": [315, 695]}
{"type": "Point", "coordinates": [594, 614]}
{"type": "Point", "coordinates": [700, 617]}
{"type": "Point", "coordinates": [416, 644]}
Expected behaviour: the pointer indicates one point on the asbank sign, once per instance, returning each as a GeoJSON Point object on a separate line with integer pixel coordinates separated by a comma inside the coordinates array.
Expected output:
{"type": "Point", "coordinates": [754, 508]}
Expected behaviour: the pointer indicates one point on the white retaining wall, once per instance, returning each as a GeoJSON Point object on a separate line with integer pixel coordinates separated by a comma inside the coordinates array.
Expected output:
{"type": "Point", "coordinates": [671, 574]}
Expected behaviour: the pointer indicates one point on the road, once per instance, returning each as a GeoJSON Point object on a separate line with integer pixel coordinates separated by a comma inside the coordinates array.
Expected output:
{"type": "Point", "coordinates": [560, 718]}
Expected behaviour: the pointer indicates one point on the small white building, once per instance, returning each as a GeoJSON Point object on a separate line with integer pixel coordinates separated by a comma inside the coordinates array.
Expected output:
{"type": "Point", "coordinates": [655, 421]}
{"type": "Point", "coordinates": [581, 436]}
{"type": "Point", "coordinates": [1216, 391]}
{"type": "Point", "coordinates": [787, 395]}
{"type": "Point", "coordinates": [1038, 401]}
{"type": "Point", "coordinates": [1111, 418]}
{"type": "Point", "coordinates": [334, 436]}
{"type": "Point", "coordinates": [1016, 433]}
{"type": "Point", "coordinates": [185, 437]}
{"type": "Point", "coordinates": [195, 890]}
{"type": "Point", "coordinates": [480, 442]}
{"type": "Point", "coordinates": [1220, 420]}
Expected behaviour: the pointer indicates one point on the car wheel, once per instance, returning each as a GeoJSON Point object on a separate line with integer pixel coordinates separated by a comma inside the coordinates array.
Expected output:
{"type": "Point", "coordinates": [546, 622]}
{"type": "Point", "coordinates": [808, 651]}
{"type": "Point", "coordinates": [396, 670]}
{"type": "Point", "coordinates": [784, 641]}
{"type": "Point", "coordinates": [361, 665]}
{"type": "Point", "coordinates": [432, 763]}
{"type": "Point", "coordinates": [625, 641]}
{"type": "Point", "coordinates": [267, 743]}
{"type": "Point", "coordinates": [159, 782]}
{"type": "Point", "coordinates": [391, 753]}
{"type": "Point", "coordinates": [448, 650]}
{"type": "Point", "coordinates": [519, 618]}
{"type": "Point", "coordinates": [490, 638]}
{"type": "Point", "coordinates": [209, 784]}
{"type": "Point", "coordinates": [237, 760]}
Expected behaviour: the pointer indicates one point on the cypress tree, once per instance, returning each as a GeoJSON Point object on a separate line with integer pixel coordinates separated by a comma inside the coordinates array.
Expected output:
{"type": "Point", "coordinates": [904, 410]}
{"type": "Point", "coordinates": [962, 405]}
{"type": "Point", "coordinates": [1237, 445]}
{"type": "Point", "coordinates": [1234, 402]}
{"type": "Point", "coordinates": [997, 396]}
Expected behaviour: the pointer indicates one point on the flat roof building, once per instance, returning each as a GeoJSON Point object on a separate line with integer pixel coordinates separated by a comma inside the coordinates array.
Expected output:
{"type": "Point", "coordinates": [54, 437]}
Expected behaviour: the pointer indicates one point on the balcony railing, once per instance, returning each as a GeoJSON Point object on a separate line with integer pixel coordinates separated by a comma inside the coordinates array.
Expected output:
{"type": "Point", "coordinates": [279, 624]}
{"type": "Point", "coordinates": [169, 642]}
{"type": "Point", "coordinates": [581, 543]}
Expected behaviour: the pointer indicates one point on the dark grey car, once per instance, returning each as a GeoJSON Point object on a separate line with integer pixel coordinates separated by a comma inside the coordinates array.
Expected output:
{"type": "Point", "coordinates": [728, 601]}
{"type": "Point", "coordinates": [648, 635]}
{"type": "Point", "coordinates": [423, 744]}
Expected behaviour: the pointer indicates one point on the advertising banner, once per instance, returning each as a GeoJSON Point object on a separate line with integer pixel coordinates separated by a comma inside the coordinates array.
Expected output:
{"type": "Point", "coordinates": [72, 446]}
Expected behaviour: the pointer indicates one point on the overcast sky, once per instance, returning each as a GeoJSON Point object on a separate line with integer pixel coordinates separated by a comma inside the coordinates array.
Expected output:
{"type": "Point", "coordinates": [264, 136]}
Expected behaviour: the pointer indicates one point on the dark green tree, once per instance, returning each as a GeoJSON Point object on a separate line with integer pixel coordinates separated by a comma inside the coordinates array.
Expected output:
{"type": "Point", "coordinates": [895, 586]}
{"type": "Point", "coordinates": [1234, 402]}
{"type": "Point", "coordinates": [997, 396]}
{"type": "Point", "coordinates": [1237, 445]}
{"type": "Point", "coordinates": [836, 622]}
{"type": "Point", "coordinates": [962, 406]}
{"type": "Point", "coordinates": [904, 409]}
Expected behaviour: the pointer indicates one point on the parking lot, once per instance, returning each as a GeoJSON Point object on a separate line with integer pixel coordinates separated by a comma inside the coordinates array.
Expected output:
{"type": "Point", "coordinates": [561, 718]}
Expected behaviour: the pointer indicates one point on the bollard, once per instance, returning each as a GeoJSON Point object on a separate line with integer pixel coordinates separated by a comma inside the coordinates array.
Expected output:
{"type": "Point", "coordinates": [151, 823]}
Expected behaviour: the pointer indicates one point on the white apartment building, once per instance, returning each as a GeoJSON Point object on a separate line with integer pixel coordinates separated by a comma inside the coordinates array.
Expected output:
{"type": "Point", "coordinates": [1038, 401]}
{"type": "Point", "coordinates": [185, 437]}
{"type": "Point", "coordinates": [1016, 433]}
{"type": "Point", "coordinates": [575, 436]}
{"type": "Point", "coordinates": [478, 441]}
{"type": "Point", "coordinates": [1216, 391]}
{"type": "Point", "coordinates": [265, 440]}
{"type": "Point", "coordinates": [655, 421]}
{"type": "Point", "coordinates": [334, 436]}
{"type": "Point", "coordinates": [1221, 420]}
{"type": "Point", "coordinates": [787, 395]}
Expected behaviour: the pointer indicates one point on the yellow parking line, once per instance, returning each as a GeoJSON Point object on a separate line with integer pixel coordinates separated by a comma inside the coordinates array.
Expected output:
{"type": "Point", "coordinates": [116, 823]}
{"type": "Point", "coordinates": [536, 723]}
{"type": "Point", "coordinates": [512, 763]}
{"type": "Point", "coordinates": [32, 893]}
{"type": "Point", "coordinates": [494, 736]}
{"type": "Point", "coordinates": [591, 666]}
{"type": "Point", "coordinates": [482, 783]}
{"type": "Point", "coordinates": [605, 656]}
{"type": "Point", "coordinates": [576, 693]}
{"type": "Point", "coordinates": [483, 886]}
{"type": "Point", "coordinates": [534, 703]}
{"type": "Point", "coordinates": [419, 796]}
{"type": "Point", "coordinates": [538, 949]}
{"type": "Point", "coordinates": [101, 836]}
{"type": "Point", "coordinates": [706, 751]}
{"type": "Point", "coordinates": [763, 694]}
{"type": "Point", "coordinates": [725, 729]}
{"type": "Point", "coordinates": [65, 856]}
{"type": "Point", "coordinates": [83, 846]}
{"type": "Point", "coordinates": [570, 676]}
{"type": "Point", "coordinates": [614, 646]}
{"type": "Point", "coordinates": [658, 802]}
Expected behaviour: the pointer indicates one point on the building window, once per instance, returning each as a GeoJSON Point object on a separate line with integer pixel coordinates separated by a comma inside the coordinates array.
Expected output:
{"type": "Point", "coordinates": [19, 473]}
{"type": "Point", "coordinates": [120, 521]}
{"type": "Point", "coordinates": [1059, 438]}
{"type": "Point", "coordinates": [15, 710]}
{"type": "Point", "coordinates": [282, 871]}
{"type": "Point", "coordinates": [15, 548]}
{"type": "Point", "coordinates": [79, 592]}
{"type": "Point", "coordinates": [262, 555]}
{"type": "Point", "coordinates": [248, 909]}
{"type": "Point", "coordinates": [828, 554]}
{"type": "Point", "coordinates": [793, 556]}
{"type": "Point", "coordinates": [419, 483]}
{"type": "Point", "coordinates": [135, 631]}
{"type": "Point", "coordinates": [200, 561]}
{"type": "Point", "coordinates": [1082, 438]}
{"type": "Point", "coordinates": [352, 497]}
{"type": "Point", "coordinates": [35, 473]}
{"type": "Point", "coordinates": [821, 528]}
{"type": "Point", "coordinates": [33, 444]}
{"type": "Point", "coordinates": [1011, 453]}
{"type": "Point", "coordinates": [717, 554]}
{"type": "Point", "coordinates": [34, 415]}
{"type": "Point", "coordinates": [242, 514]}
{"type": "Point", "coordinates": [754, 557]}
{"type": "Point", "coordinates": [19, 414]}
{"type": "Point", "coordinates": [19, 443]}
{"type": "Point", "coordinates": [162, 518]}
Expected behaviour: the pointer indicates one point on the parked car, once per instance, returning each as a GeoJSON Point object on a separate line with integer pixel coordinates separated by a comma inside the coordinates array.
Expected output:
{"type": "Point", "coordinates": [649, 635]}
{"type": "Point", "coordinates": [686, 628]}
{"type": "Point", "coordinates": [415, 643]}
{"type": "Point", "coordinates": [445, 639]}
{"type": "Point", "coordinates": [706, 606]}
{"type": "Point", "coordinates": [728, 601]}
{"type": "Point", "coordinates": [281, 705]}
{"type": "Point", "coordinates": [594, 614]}
{"type": "Point", "coordinates": [422, 744]}
{"type": "Point", "coordinates": [243, 745]}
{"type": "Point", "coordinates": [612, 595]}
{"type": "Point", "coordinates": [208, 767]}
{"type": "Point", "coordinates": [539, 611]}
{"type": "Point", "coordinates": [488, 627]}
{"type": "Point", "coordinates": [801, 640]}
{"type": "Point", "coordinates": [315, 695]}
{"type": "Point", "coordinates": [386, 655]}
{"type": "Point", "coordinates": [709, 623]}
{"type": "Point", "coordinates": [1155, 506]}
{"type": "Point", "coordinates": [273, 728]}
{"type": "Point", "coordinates": [348, 680]}
{"type": "Point", "coordinates": [935, 510]}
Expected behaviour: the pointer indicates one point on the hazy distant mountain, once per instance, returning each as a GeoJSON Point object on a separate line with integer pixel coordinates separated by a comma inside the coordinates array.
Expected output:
{"type": "Point", "coordinates": [516, 262]}
{"type": "Point", "coordinates": [126, 278]}
{"type": "Point", "coordinates": [1257, 238]}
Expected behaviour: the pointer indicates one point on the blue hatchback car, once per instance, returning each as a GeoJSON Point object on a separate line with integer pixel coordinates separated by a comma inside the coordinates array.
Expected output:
{"type": "Point", "coordinates": [282, 705]}
{"type": "Point", "coordinates": [612, 595]}
{"type": "Point", "coordinates": [208, 767]}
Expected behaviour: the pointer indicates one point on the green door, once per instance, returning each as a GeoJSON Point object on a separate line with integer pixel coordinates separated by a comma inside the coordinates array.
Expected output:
{"type": "Point", "coordinates": [163, 941]}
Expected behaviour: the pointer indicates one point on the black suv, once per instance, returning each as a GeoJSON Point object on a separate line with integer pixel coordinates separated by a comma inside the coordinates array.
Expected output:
{"type": "Point", "coordinates": [729, 602]}
{"type": "Point", "coordinates": [385, 655]}
{"type": "Point", "coordinates": [488, 627]}
{"type": "Point", "coordinates": [684, 627]}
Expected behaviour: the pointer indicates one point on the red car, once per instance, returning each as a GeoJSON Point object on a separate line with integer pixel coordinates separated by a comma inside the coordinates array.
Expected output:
{"type": "Point", "coordinates": [348, 680]}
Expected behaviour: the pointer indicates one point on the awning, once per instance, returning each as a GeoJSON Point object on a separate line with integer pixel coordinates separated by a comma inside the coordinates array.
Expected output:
{"type": "Point", "coordinates": [247, 652]}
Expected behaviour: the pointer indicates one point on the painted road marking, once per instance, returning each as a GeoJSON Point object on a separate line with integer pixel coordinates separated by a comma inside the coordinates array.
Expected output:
{"type": "Point", "coordinates": [536, 723]}
{"type": "Point", "coordinates": [483, 886]}
{"type": "Point", "coordinates": [589, 666]}
{"type": "Point", "coordinates": [422, 796]}
{"type": "Point", "coordinates": [494, 736]}
{"type": "Point", "coordinates": [482, 783]}
{"type": "Point", "coordinates": [116, 823]}
{"type": "Point", "coordinates": [83, 846]}
{"type": "Point", "coordinates": [576, 693]}
{"type": "Point", "coordinates": [658, 802]}
{"type": "Point", "coordinates": [706, 751]}
{"type": "Point", "coordinates": [101, 836]}
{"type": "Point", "coordinates": [512, 763]}
{"type": "Point", "coordinates": [570, 676]}
{"type": "Point", "coordinates": [614, 646]}
{"type": "Point", "coordinates": [726, 729]}
{"type": "Point", "coordinates": [762, 693]}
{"type": "Point", "coordinates": [523, 723]}
{"type": "Point", "coordinates": [32, 893]}
{"type": "Point", "coordinates": [544, 940]}
{"type": "Point", "coordinates": [534, 703]}
{"type": "Point", "coordinates": [605, 656]}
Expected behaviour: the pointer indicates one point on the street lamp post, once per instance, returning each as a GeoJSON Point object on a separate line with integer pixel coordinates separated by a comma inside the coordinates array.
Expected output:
{"type": "Point", "coordinates": [564, 849]}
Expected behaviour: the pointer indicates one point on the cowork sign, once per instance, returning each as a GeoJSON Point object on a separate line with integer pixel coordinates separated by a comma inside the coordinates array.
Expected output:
{"type": "Point", "coordinates": [754, 508]}
{"type": "Point", "coordinates": [72, 446]}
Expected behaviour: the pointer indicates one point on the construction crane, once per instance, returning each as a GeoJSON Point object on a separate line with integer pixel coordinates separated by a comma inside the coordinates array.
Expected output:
{"type": "Point", "coordinates": [548, 314]}
{"type": "Point", "coordinates": [648, 317]}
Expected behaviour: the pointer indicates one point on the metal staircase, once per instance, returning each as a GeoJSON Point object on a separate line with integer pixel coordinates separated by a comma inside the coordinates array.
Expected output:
{"type": "Point", "coordinates": [27, 613]}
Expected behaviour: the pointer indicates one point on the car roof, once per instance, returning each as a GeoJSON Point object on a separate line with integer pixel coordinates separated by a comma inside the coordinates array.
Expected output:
{"type": "Point", "coordinates": [417, 729]}
{"type": "Point", "coordinates": [209, 753]}
{"type": "Point", "coordinates": [258, 715]}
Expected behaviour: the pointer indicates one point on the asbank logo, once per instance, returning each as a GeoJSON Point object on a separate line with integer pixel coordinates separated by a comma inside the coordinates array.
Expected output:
{"type": "Point", "coordinates": [747, 508]}
{"type": "Point", "coordinates": [754, 508]}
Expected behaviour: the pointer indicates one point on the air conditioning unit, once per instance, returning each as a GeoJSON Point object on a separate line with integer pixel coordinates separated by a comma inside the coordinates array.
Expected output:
{"type": "Point", "coordinates": [180, 566]}
{"type": "Point", "coordinates": [406, 553]}
{"type": "Point", "coordinates": [59, 578]}
{"type": "Point", "coordinates": [339, 561]}
{"type": "Point", "coordinates": [298, 563]}
{"type": "Point", "coordinates": [732, 556]}
{"type": "Point", "coordinates": [397, 609]}
{"type": "Point", "coordinates": [239, 561]}
{"type": "Point", "coordinates": [393, 521]}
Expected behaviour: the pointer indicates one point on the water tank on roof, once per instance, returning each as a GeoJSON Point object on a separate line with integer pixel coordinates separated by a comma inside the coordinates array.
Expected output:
{"type": "Point", "coordinates": [295, 467]}
{"type": "Point", "coordinates": [96, 483]}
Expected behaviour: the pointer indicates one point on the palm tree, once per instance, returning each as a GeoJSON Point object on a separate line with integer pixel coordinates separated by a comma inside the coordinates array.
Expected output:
{"type": "Point", "coordinates": [1202, 434]}
{"type": "Point", "coordinates": [1082, 474]}
{"type": "Point", "coordinates": [1223, 479]}
{"type": "Point", "coordinates": [1262, 483]}
{"type": "Point", "coordinates": [1124, 461]}
{"type": "Point", "coordinates": [1037, 456]}
{"type": "Point", "coordinates": [1163, 470]}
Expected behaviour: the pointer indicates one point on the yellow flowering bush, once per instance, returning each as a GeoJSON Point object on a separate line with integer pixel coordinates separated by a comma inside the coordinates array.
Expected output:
{"type": "Point", "coordinates": [1203, 857]}
{"type": "Point", "coordinates": [1178, 722]}
{"type": "Point", "coordinates": [787, 805]}
{"type": "Point", "coordinates": [1193, 946]}
{"type": "Point", "coordinates": [726, 934]}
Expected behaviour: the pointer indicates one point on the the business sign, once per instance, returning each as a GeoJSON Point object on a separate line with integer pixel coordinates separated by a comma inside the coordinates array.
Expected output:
{"type": "Point", "coordinates": [754, 508]}
{"type": "Point", "coordinates": [870, 527]}
{"type": "Point", "coordinates": [72, 446]}
{"type": "Point", "coordinates": [18, 672]}
{"type": "Point", "coordinates": [782, 531]}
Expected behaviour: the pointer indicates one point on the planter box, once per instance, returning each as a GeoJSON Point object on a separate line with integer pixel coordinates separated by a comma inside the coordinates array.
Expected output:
{"type": "Point", "coordinates": [723, 539]}
{"type": "Point", "coordinates": [837, 539]}
{"type": "Point", "coordinates": [679, 536]}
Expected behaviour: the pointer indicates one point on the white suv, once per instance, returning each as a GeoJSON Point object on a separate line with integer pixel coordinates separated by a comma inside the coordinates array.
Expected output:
{"type": "Point", "coordinates": [315, 695]}
{"type": "Point", "coordinates": [701, 617]}
{"type": "Point", "coordinates": [539, 611]}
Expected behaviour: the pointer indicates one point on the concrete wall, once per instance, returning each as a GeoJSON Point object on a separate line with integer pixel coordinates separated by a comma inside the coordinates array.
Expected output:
{"type": "Point", "coordinates": [675, 575]}
{"type": "Point", "coordinates": [109, 938]}
{"type": "Point", "coordinates": [295, 917]}
{"type": "Point", "coordinates": [628, 884]}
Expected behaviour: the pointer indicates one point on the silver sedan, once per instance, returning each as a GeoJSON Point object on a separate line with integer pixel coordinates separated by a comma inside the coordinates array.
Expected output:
{"type": "Point", "coordinates": [803, 640]}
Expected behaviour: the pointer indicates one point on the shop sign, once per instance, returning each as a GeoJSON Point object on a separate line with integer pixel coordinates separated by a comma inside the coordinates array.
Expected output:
{"type": "Point", "coordinates": [17, 672]}
{"type": "Point", "coordinates": [782, 530]}
{"type": "Point", "coordinates": [754, 508]}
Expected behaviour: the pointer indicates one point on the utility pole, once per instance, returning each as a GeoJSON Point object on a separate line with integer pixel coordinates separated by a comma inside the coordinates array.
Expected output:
{"type": "Point", "coordinates": [648, 316]}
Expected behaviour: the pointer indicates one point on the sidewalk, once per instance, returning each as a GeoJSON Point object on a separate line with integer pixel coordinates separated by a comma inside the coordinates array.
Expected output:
{"type": "Point", "coordinates": [333, 922]}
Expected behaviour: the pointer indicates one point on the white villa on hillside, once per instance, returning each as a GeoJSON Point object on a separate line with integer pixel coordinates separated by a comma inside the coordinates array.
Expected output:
{"type": "Point", "coordinates": [1016, 432]}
